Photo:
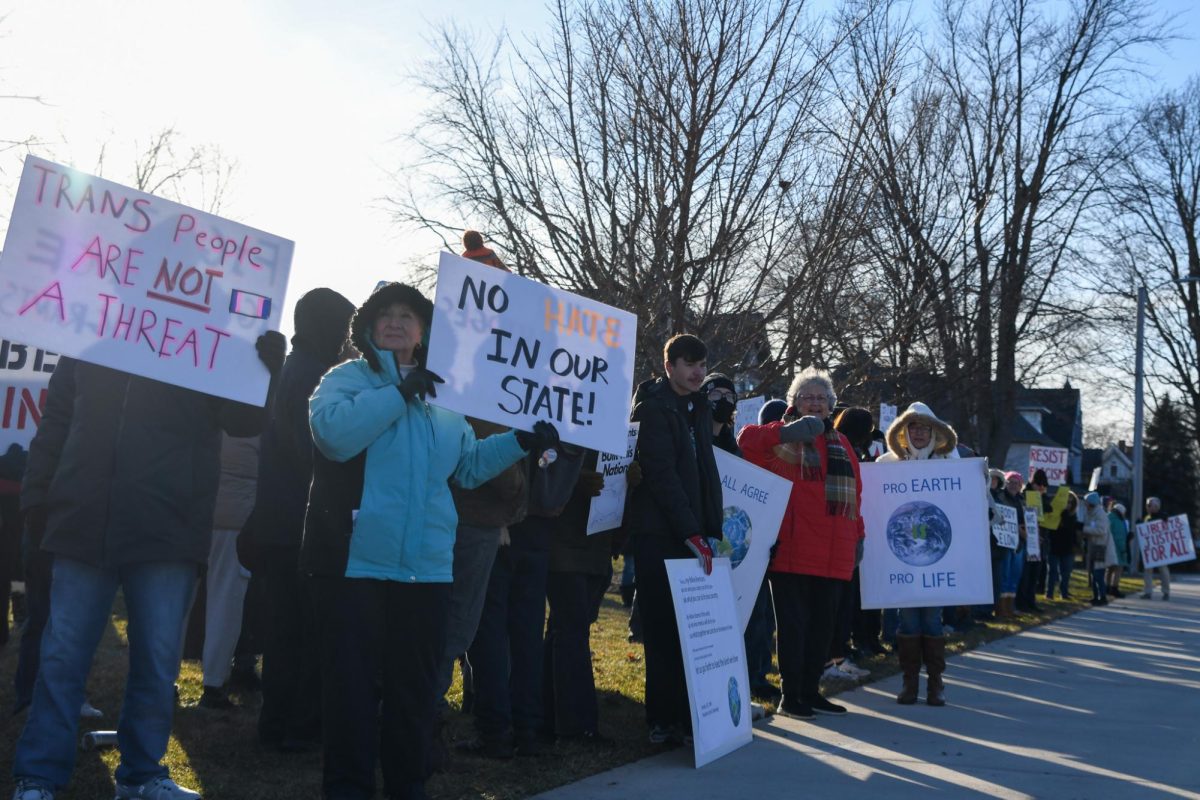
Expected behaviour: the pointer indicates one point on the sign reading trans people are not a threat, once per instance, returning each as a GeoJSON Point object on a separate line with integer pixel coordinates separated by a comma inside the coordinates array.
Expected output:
{"type": "Point", "coordinates": [927, 534]}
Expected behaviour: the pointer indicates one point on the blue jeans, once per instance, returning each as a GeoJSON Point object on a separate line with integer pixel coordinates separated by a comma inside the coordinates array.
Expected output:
{"type": "Point", "coordinates": [157, 597]}
{"type": "Point", "coordinates": [1014, 563]}
{"type": "Point", "coordinates": [1060, 574]}
{"type": "Point", "coordinates": [921, 621]}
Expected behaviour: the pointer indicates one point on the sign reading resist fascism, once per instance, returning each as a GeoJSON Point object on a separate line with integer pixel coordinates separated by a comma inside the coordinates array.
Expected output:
{"type": "Point", "coordinates": [927, 529]}
{"type": "Point", "coordinates": [754, 502]}
{"type": "Point", "coordinates": [110, 275]}
{"type": "Point", "coordinates": [1051, 459]}
{"type": "Point", "coordinates": [24, 375]}
{"type": "Point", "coordinates": [608, 508]}
{"type": "Point", "coordinates": [714, 657]}
{"type": "Point", "coordinates": [514, 351]}
{"type": "Point", "coordinates": [1166, 541]}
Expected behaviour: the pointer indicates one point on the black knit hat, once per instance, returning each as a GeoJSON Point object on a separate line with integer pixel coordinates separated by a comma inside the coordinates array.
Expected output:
{"type": "Point", "coordinates": [856, 425]}
{"type": "Point", "coordinates": [717, 380]}
{"type": "Point", "coordinates": [383, 298]}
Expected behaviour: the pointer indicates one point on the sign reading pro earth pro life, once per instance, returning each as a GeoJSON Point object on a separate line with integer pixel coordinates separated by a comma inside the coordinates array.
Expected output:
{"type": "Point", "coordinates": [927, 534]}
{"type": "Point", "coordinates": [754, 502]}
{"type": "Point", "coordinates": [117, 277]}
{"type": "Point", "coordinates": [714, 657]}
{"type": "Point", "coordinates": [514, 351]}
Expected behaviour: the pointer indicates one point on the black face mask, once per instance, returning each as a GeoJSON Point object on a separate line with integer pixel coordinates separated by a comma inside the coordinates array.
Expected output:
{"type": "Point", "coordinates": [722, 411]}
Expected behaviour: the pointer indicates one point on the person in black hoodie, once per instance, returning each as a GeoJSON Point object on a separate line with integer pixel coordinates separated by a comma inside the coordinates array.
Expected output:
{"type": "Point", "coordinates": [670, 514]}
{"type": "Point", "coordinates": [289, 717]}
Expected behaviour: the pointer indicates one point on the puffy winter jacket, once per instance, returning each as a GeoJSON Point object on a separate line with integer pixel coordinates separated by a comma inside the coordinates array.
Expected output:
{"type": "Point", "coordinates": [811, 540]}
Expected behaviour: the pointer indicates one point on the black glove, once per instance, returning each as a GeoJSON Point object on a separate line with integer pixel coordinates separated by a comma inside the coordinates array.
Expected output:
{"type": "Point", "coordinates": [419, 383]}
{"type": "Point", "coordinates": [590, 483]}
{"type": "Point", "coordinates": [804, 430]}
{"type": "Point", "coordinates": [272, 348]}
{"type": "Point", "coordinates": [633, 475]}
{"type": "Point", "coordinates": [34, 521]}
{"type": "Point", "coordinates": [722, 411]}
{"type": "Point", "coordinates": [543, 437]}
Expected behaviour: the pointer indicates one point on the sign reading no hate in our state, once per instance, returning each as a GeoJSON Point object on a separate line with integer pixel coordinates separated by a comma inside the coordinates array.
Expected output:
{"type": "Point", "coordinates": [927, 534]}
{"type": "Point", "coordinates": [113, 276]}
{"type": "Point", "coordinates": [514, 351]}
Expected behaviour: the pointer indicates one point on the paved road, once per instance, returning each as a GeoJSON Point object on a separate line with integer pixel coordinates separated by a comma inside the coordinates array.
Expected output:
{"type": "Point", "coordinates": [1102, 704]}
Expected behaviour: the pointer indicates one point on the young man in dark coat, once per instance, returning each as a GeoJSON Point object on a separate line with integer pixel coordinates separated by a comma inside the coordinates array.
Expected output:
{"type": "Point", "coordinates": [673, 510]}
{"type": "Point", "coordinates": [290, 711]}
{"type": "Point", "coordinates": [120, 489]}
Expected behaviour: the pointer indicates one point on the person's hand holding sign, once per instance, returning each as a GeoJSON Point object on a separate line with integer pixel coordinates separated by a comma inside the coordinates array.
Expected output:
{"type": "Point", "coordinates": [703, 552]}
{"type": "Point", "coordinates": [272, 349]}
{"type": "Point", "coordinates": [420, 382]}
{"type": "Point", "coordinates": [543, 437]}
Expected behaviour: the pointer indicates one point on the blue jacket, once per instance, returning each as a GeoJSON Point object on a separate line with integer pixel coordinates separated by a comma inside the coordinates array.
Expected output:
{"type": "Point", "coordinates": [380, 504]}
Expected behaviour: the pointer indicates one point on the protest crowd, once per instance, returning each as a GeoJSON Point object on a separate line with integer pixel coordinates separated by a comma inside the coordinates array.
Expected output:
{"type": "Point", "coordinates": [367, 543]}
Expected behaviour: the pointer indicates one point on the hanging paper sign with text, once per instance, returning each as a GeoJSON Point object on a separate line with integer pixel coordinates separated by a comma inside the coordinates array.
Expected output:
{"type": "Point", "coordinates": [1033, 541]}
{"type": "Point", "coordinates": [1051, 459]}
{"type": "Point", "coordinates": [747, 413]}
{"type": "Point", "coordinates": [887, 415]}
{"type": "Point", "coordinates": [1006, 527]}
{"type": "Point", "coordinates": [24, 375]}
{"type": "Point", "coordinates": [754, 502]}
{"type": "Point", "coordinates": [113, 276]}
{"type": "Point", "coordinates": [514, 351]}
{"type": "Point", "coordinates": [608, 507]}
{"type": "Point", "coordinates": [927, 529]}
{"type": "Point", "coordinates": [1166, 541]}
{"type": "Point", "coordinates": [714, 657]}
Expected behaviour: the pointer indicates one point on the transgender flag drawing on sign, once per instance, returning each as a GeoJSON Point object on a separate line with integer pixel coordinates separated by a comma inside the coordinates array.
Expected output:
{"type": "Point", "coordinates": [249, 304]}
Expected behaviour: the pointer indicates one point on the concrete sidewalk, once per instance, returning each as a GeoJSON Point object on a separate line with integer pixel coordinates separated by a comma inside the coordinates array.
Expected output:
{"type": "Point", "coordinates": [1102, 704]}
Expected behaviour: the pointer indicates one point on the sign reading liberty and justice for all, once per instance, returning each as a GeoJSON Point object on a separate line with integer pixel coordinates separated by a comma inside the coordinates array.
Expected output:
{"type": "Point", "coordinates": [114, 276]}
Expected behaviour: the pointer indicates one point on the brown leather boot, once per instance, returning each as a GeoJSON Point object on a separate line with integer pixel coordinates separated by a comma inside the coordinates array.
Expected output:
{"type": "Point", "coordinates": [908, 650]}
{"type": "Point", "coordinates": [1004, 609]}
{"type": "Point", "coordinates": [934, 652]}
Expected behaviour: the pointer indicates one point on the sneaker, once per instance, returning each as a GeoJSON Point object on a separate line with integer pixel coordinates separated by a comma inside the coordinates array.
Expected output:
{"type": "Point", "coordinates": [659, 734]}
{"type": "Point", "coordinates": [89, 711]}
{"type": "Point", "coordinates": [822, 706]}
{"type": "Point", "coordinates": [795, 710]}
{"type": "Point", "coordinates": [215, 699]}
{"type": "Point", "coordinates": [31, 791]}
{"type": "Point", "coordinates": [833, 674]}
{"type": "Point", "coordinates": [759, 711]}
{"type": "Point", "coordinates": [158, 789]}
{"type": "Point", "coordinates": [853, 670]}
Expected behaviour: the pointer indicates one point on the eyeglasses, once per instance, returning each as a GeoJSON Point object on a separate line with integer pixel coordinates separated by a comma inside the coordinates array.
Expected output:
{"type": "Point", "coordinates": [812, 398]}
{"type": "Point", "coordinates": [722, 394]}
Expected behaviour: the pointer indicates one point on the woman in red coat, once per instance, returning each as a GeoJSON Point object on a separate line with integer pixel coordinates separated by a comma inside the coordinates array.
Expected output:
{"type": "Point", "coordinates": [817, 540]}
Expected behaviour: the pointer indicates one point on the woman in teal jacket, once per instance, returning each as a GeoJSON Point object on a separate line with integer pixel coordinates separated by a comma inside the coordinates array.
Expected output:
{"type": "Point", "coordinates": [379, 542]}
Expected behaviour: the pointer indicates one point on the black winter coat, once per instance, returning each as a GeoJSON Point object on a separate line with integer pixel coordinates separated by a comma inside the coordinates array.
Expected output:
{"type": "Point", "coordinates": [680, 493]}
{"type": "Point", "coordinates": [571, 549]}
{"type": "Point", "coordinates": [128, 467]}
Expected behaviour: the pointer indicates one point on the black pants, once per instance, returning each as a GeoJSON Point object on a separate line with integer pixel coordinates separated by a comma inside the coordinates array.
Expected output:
{"type": "Point", "coordinates": [666, 683]}
{"type": "Point", "coordinates": [839, 646]}
{"type": "Point", "coordinates": [39, 567]}
{"type": "Point", "coordinates": [375, 632]}
{"type": "Point", "coordinates": [506, 656]}
{"type": "Point", "coordinates": [291, 671]}
{"type": "Point", "coordinates": [569, 687]}
{"type": "Point", "coordinates": [805, 612]}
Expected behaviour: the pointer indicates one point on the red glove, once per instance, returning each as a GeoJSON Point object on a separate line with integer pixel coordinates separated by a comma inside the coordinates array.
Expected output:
{"type": "Point", "coordinates": [699, 546]}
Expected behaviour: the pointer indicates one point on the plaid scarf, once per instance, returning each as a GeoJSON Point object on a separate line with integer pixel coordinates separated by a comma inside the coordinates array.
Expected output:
{"type": "Point", "coordinates": [841, 489]}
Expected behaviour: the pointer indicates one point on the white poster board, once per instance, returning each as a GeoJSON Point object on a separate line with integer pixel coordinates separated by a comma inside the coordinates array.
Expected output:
{"type": "Point", "coordinates": [887, 415]}
{"type": "Point", "coordinates": [747, 413]}
{"type": "Point", "coordinates": [714, 657]}
{"type": "Point", "coordinates": [1094, 483]}
{"type": "Point", "coordinates": [113, 276]}
{"type": "Point", "coordinates": [514, 351]}
{"type": "Point", "coordinates": [927, 529]}
{"type": "Point", "coordinates": [754, 501]}
{"type": "Point", "coordinates": [1051, 459]}
{"type": "Point", "coordinates": [1006, 527]}
{"type": "Point", "coordinates": [608, 507]}
{"type": "Point", "coordinates": [1166, 541]}
{"type": "Point", "coordinates": [24, 375]}
{"type": "Point", "coordinates": [1033, 541]}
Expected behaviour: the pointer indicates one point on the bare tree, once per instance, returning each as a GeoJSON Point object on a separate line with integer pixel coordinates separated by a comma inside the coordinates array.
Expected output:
{"type": "Point", "coordinates": [167, 166]}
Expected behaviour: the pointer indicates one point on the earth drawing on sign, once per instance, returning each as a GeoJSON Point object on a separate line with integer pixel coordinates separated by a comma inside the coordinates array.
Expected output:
{"type": "Point", "coordinates": [919, 533]}
{"type": "Point", "coordinates": [735, 701]}
{"type": "Point", "coordinates": [735, 527]}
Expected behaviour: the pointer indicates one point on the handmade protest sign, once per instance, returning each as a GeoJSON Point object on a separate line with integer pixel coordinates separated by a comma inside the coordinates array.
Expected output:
{"type": "Point", "coordinates": [1051, 459]}
{"type": "Point", "coordinates": [1033, 542]}
{"type": "Point", "coordinates": [927, 529]}
{"type": "Point", "coordinates": [24, 375]}
{"type": "Point", "coordinates": [754, 501]}
{"type": "Point", "coordinates": [1166, 541]}
{"type": "Point", "coordinates": [113, 276]}
{"type": "Point", "coordinates": [747, 412]}
{"type": "Point", "coordinates": [887, 415]}
{"type": "Point", "coordinates": [714, 657]}
{"type": "Point", "coordinates": [608, 507]}
{"type": "Point", "coordinates": [1006, 527]}
{"type": "Point", "coordinates": [514, 351]}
